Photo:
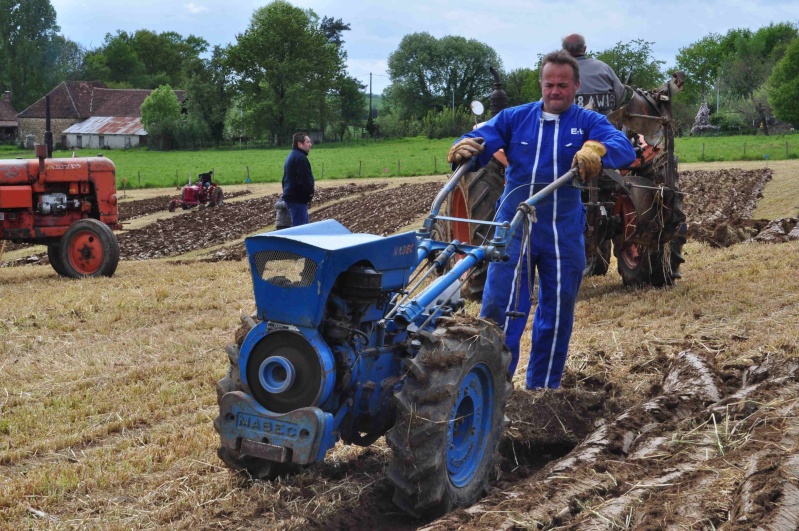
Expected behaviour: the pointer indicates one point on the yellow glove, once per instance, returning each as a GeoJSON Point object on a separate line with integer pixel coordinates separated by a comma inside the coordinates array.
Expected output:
{"type": "Point", "coordinates": [588, 160]}
{"type": "Point", "coordinates": [464, 150]}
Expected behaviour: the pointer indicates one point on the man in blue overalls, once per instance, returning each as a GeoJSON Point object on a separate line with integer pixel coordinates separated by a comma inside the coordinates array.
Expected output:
{"type": "Point", "coordinates": [542, 141]}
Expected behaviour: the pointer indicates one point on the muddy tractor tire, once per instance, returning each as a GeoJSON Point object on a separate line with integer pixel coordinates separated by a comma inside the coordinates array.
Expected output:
{"type": "Point", "coordinates": [597, 265]}
{"type": "Point", "coordinates": [252, 467]}
{"type": "Point", "coordinates": [646, 266]}
{"type": "Point", "coordinates": [173, 205]}
{"type": "Point", "coordinates": [217, 197]}
{"type": "Point", "coordinates": [450, 418]}
{"type": "Point", "coordinates": [475, 197]}
{"type": "Point", "coordinates": [88, 248]}
{"type": "Point", "coordinates": [54, 255]}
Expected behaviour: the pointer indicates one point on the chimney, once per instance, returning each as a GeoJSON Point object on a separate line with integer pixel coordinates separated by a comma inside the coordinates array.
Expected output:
{"type": "Point", "coordinates": [7, 96]}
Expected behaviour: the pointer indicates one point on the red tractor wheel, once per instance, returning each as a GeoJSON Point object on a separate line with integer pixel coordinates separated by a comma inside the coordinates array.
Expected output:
{"type": "Point", "coordinates": [173, 205]}
{"type": "Point", "coordinates": [89, 249]}
{"type": "Point", "coordinates": [638, 265]}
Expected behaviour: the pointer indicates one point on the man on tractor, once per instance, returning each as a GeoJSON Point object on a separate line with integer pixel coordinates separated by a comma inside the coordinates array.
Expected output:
{"type": "Point", "coordinates": [542, 140]}
{"type": "Point", "coordinates": [205, 179]}
{"type": "Point", "coordinates": [598, 81]}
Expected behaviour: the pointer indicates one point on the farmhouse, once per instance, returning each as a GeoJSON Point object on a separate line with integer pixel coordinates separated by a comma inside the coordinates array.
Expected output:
{"type": "Point", "coordinates": [8, 119]}
{"type": "Point", "coordinates": [96, 116]}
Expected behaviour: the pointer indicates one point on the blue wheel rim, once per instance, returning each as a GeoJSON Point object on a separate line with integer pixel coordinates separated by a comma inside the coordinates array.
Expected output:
{"type": "Point", "coordinates": [276, 374]}
{"type": "Point", "coordinates": [469, 425]}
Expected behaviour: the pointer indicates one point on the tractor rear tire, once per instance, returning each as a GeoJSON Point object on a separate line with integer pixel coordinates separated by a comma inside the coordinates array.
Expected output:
{"type": "Point", "coordinates": [476, 197]}
{"type": "Point", "coordinates": [173, 205]}
{"type": "Point", "coordinates": [450, 417]}
{"type": "Point", "coordinates": [88, 249]}
{"type": "Point", "coordinates": [217, 197]}
{"type": "Point", "coordinates": [54, 255]}
{"type": "Point", "coordinates": [252, 467]}
{"type": "Point", "coordinates": [598, 264]}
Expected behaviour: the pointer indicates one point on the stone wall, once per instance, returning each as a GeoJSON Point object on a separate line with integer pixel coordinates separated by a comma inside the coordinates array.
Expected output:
{"type": "Point", "coordinates": [35, 126]}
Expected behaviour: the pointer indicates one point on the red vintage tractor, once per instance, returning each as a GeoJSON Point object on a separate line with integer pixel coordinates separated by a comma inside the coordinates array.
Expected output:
{"type": "Point", "coordinates": [204, 193]}
{"type": "Point", "coordinates": [70, 205]}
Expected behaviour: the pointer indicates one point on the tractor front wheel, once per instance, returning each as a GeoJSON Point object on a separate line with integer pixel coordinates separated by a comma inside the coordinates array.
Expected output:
{"type": "Point", "coordinates": [173, 205]}
{"type": "Point", "coordinates": [87, 249]}
{"type": "Point", "coordinates": [53, 254]}
{"type": "Point", "coordinates": [450, 418]}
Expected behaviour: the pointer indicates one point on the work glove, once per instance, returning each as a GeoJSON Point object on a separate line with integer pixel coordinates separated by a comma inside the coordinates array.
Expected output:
{"type": "Point", "coordinates": [465, 149]}
{"type": "Point", "coordinates": [588, 161]}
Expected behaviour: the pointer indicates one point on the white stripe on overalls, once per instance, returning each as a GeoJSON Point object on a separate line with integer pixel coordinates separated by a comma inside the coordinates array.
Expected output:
{"type": "Point", "coordinates": [557, 254]}
{"type": "Point", "coordinates": [517, 271]}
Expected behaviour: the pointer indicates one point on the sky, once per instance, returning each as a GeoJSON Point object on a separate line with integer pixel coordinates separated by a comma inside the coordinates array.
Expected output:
{"type": "Point", "coordinates": [518, 30]}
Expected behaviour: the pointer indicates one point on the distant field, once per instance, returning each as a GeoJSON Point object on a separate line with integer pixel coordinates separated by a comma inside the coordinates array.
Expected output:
{"type": "Point", "coordinates": [389, 158]}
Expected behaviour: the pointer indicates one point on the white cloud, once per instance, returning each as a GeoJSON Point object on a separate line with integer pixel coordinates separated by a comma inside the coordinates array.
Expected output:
{"type": "Point", "coordinates": [195, 9]}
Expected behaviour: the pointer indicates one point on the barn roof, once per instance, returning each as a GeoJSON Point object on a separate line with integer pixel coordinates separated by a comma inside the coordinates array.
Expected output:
{"type": "Point", "coordinates": [79, 100]}
{"type": "Point", "coordinates": [8, 116]}
{"type": "Point", "coordinates": [108, 125]}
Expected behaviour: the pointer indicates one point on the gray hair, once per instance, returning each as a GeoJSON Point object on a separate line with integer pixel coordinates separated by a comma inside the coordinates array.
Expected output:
{"type": "Point", "coordinates": [574, 44]}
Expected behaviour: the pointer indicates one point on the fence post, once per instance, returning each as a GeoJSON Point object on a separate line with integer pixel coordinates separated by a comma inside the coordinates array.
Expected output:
{"type": "Point", "coordinates": [786, 149]}
{"type": "Point", "coordinates": [139, 178]}
{"type": "Point", "coordinates": [703, 151]}
{"type": "Point", "coordinates": [359, 168]}
{"type": "Point", "coordinates": [399, 170]}
{"type": "Point", "coordinates": [744, 149]}
{"type": "Point", "coordinates": [176, 179]}
{"type": "Point", "coordinates": [248, 173]}
{"type": "Point", "coordinates": [435, 166]}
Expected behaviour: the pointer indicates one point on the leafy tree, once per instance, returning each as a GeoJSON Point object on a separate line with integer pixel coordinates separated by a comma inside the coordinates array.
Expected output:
{"type": "Point", "coordinates": [32, 53]}
{"type": "Point", "coordinates": [160, 115]}
{"type": "Point", "coordinates": [347, 103]}
{"type": "Point", "coordinates": [634, 63]}
{"type": "Point", "coordinates": [701, 62]}
{"type": "Point", "coordinates": [428, 73]}
{"type": "Point", "coordinates": [143, 59]}
{"type": "Point", "coordinates": [285, 66]}
{"type": "Point", "coordinates": [783, 85]}
{"type": "Point", "coordinates": [522, 86]}
{"type": "Point", "coordinates": [333, 30]}
{"type": "Point", "coordinates": [208, 92]}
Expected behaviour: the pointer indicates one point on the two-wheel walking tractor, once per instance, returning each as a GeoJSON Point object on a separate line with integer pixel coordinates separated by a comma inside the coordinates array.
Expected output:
{"type": "Point", "coordinates": [355, 337]}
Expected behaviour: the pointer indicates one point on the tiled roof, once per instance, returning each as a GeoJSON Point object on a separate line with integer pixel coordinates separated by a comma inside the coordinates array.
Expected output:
{"type": "Point", "coordinates": [108, 125]}
{"type": "Point", "coordinates": [7, 112]}
{"type": "Point", "coordinates": [79, 100]}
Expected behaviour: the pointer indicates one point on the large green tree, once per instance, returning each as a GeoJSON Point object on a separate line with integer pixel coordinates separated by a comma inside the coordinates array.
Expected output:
{"type": "Point", "coordinates": [634, 62]}
{"type": "Point", "coordinates": [428, 73]}
{"type": "Point", "coordinates": [143, 59]}
{"type": "Point", "coordinates": [701, 62]}
{"type": "Point", "coordinates": [783, 85]}
{"type": "Point", "coordinates": [285, 65]}
{"type": "Point", "coordinates": [33, 57]}
{"type": "Point", "coordinates": [161, 116]}
{"type": "Point", "coordinates": [208, 83]}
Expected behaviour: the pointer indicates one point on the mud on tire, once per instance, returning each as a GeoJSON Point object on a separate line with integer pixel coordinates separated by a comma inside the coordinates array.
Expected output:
{"type": "Point", "coordinates": [476, 198]}
{"type": "Point", "coordinates": [452, 402]}
{"type": "Point", "coordinates": [249, 466]}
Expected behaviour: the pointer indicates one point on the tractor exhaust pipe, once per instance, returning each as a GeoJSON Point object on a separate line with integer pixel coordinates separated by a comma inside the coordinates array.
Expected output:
{"type": "Point", "coordinates": [48, 132]}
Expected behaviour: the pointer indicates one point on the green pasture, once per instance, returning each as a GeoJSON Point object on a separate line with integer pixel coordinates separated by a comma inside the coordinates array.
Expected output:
{"type": "Point", "coordinates": [140, 168]}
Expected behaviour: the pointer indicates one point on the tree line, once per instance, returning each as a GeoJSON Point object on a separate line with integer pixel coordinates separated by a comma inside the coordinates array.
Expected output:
{"type": "Point", "coordinates": [286, 72]}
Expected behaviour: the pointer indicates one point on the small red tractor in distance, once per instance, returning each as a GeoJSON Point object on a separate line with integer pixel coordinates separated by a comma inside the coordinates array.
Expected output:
{"type": "Point", "coordinates": [204, 193]}
{"type": "Point", "coordinates": [70, 205]}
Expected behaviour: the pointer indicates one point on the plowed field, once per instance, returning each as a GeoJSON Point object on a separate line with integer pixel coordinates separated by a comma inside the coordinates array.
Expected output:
{"type": "Point", "coordinates": [683, 417]}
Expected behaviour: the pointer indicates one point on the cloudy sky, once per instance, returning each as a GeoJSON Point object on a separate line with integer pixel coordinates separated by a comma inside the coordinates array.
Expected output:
{"type": "Point", "coordinates": [518, 30]}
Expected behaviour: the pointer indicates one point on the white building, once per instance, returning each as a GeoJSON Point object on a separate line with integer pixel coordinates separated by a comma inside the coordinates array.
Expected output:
{"type": "Point", "coordinates": [106, 132]}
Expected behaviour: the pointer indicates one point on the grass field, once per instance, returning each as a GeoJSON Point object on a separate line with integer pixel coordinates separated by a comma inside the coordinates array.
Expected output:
{"type": "Point", "coordinates": [140, 168]}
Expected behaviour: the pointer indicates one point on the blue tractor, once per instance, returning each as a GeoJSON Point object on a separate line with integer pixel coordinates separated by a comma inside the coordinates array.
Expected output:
{"type": "Point", "coordinates": [354, 338]}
